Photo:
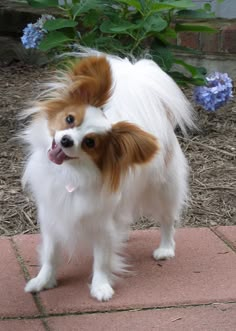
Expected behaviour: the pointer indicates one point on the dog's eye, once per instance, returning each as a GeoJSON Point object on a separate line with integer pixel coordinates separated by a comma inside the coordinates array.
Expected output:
{"type": "Point", "coordinates": [70, 119]}
{"type": "Point", "coordinates": [89, 142]}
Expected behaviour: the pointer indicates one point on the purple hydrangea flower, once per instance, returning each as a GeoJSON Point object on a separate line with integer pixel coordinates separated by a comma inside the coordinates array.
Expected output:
{"type": "Point", "coordinates": [34, 33]}
{"type": "Point", "coordinates": [216, 93]}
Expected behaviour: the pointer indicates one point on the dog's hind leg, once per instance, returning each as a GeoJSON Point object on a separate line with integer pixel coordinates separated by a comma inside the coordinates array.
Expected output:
{"type": "Point", "coordinates": [166, 248]}
{"type": "Point", "coordinates": [172, 197]}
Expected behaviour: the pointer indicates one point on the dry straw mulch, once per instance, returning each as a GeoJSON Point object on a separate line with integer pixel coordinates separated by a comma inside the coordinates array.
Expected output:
{"type": "Point", "coordinates": [211, 154]}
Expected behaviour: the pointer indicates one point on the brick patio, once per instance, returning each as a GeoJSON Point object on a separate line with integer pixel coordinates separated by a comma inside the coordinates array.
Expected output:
{"type": "Point", "coordinates": [194, 291]}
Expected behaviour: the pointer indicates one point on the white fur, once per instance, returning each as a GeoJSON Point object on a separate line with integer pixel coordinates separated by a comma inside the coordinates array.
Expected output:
{"type": "Point", "coordinates": [144, 95]}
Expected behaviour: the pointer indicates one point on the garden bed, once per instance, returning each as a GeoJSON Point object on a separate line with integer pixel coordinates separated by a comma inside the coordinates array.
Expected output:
{"type": "Point", "coordinates": [211, 153]}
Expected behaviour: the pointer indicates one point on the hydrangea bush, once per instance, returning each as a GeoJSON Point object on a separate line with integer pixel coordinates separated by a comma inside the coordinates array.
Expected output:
{"type": "Point", "coordinates": [133, 27]}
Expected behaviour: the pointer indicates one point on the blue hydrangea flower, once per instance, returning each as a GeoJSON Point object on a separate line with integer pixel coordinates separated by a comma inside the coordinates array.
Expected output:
{"type": "Point", "coordinates": [32, 36]}
{"type": "Point", "coordinates": [216, 93]}
{"type": "Point", "coordinates": [34, 33]}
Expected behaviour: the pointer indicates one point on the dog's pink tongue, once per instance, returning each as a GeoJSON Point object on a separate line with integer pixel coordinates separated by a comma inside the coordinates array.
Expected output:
{"type": "Point", "coordinates": [56, 154]}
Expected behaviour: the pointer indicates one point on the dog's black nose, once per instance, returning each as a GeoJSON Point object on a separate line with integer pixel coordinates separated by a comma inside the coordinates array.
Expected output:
{"type": "Point", "coordinates": [66, 141]}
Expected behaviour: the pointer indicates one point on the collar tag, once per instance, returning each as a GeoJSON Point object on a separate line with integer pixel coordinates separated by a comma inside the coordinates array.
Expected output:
{"type": "Point", "coordinates": [70, 188]}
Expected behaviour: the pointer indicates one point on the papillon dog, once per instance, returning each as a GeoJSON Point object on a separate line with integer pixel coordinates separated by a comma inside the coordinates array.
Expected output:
{"type": "Point", "coordinates": [103, 152]}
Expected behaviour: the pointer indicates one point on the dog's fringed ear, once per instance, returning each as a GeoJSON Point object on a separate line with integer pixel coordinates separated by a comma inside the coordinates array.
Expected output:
{"type": "Point", "coordinates": [127, 146]}
{"type": "Point", "coordinates": [91, 81]}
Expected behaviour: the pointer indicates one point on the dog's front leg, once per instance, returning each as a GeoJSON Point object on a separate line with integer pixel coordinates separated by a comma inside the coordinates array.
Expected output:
{"type": "Point", "coordinates": [101, 288]}
{"type": "Point", "coordinates": [46, 277]}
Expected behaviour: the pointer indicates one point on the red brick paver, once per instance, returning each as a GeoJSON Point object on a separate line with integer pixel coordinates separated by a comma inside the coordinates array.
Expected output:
{"type": "Point", "coordinates": [194, 291]}
{"type": "Point", "coordinates": [13, 301]}
{"type": "Point", "coordinates": [213, 318]}
{"type": "Point", "coordinates": [228, 233]}
{"type": "Point", "coordinates": [203, 271]}
{"type": "Point", "coordinates": [22, 325]}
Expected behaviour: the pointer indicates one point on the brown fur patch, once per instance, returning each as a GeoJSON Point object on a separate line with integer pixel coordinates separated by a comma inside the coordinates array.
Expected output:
{"type": "Point", "coordinates": [57, 116]}
{"type": "Point", "coordinates": [89, 84]}
{"type": "Point", "coordinates": [117, 150]}
{"type": "Point", "coordinates": [92, 81]}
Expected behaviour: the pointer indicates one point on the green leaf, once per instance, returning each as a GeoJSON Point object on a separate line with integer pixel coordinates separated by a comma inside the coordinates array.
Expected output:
{"type": "Point", "coordinates": [158, 7]}
{"type": "Point", "coordinates": [185, 49]}
{"type": "Point", "coordinates": [59, 23]}
{"type": "Point", "coordinates": [207, 7]}
{"type": "Point", "coordinates": [43, 3]}
{"type": "Point", "coordinates": [163, 56]}
{"type": "Point", "coordinates": [104, 43]}
{"type": "Point", "coordinates": [89, 39]}
{"type": "Point", "coordinates": [182, 4]}
{"type": "Point", "coordinates": [196, 72]}
{"type": "Point", "coordinates": [169, 33]}
{"type": "Point", "coordinates": [183, 80]}
{"type": "Point", "coordinates": [200, 13]}
{"type": "Point", "coordinates": [85, 6]}
{"type": "Point", "coordinates": [53, 39]}
{"type": "Point", "coordinates": [194, 28]}
{"type": "Point", "coordinates": [154, 23]}
{"type": "Point", "coordinates": [90, 20]}
{"type": "Point", "coordinates": [133, 3]}
{"type": "Point", "coordinates": [121, 27]}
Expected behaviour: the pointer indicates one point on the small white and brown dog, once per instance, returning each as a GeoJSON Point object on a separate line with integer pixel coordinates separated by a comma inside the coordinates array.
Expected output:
{"type": "Point", "coordinates": [103, 152]}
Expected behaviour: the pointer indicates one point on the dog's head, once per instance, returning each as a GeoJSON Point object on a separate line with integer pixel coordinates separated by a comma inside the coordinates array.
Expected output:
{"type": "Point", "coordinates": [80, 129]}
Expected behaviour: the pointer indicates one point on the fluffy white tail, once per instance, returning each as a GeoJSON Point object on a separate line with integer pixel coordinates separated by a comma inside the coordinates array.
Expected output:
{"type": "Point", "coordinates": [170, 97]}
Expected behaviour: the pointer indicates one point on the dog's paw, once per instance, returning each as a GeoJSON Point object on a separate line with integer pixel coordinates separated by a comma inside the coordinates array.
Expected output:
{"type": "Point", "coordinates": [103, 292]}
{"type": "Point", "coordinates": [38, 284]}
{"type": "Point", "coordinates": [163, 253]}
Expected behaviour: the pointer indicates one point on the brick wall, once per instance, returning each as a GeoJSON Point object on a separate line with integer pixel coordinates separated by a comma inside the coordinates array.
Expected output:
{"type": "Point", "coordinates": [223, 41]}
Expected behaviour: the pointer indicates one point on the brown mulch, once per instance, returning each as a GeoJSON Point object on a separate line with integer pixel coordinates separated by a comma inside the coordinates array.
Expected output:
{"type": "Point", "coordinates": [211, 153]}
